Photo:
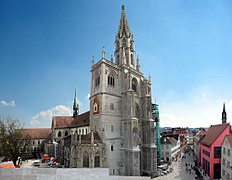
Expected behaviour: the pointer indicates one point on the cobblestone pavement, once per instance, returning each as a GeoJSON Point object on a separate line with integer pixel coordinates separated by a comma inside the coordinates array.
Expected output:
{"type": "Point", "coordinates": [179, 170]}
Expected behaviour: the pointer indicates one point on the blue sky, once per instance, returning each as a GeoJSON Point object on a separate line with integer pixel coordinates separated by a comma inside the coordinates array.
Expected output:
{"type": "Point", "coordinates": [46, 48]}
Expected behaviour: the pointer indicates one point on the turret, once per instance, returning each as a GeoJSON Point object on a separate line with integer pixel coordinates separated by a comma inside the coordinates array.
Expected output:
{"type": "Point", "coordinates": [75, 106]}
{"type": "Point", "coordinates": [224, 114]}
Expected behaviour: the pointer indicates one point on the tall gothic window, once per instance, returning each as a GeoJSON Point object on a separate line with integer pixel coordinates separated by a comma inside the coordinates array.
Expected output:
{"type": "Point", "coordinates": [97, 160]}
{"type": "Point", "coordinates": [134, 84]}
{"type": "Point", "coordinates": [111, 80]}
{"type": "Point", "coordinates": [86, 160]}
{"type": "Point", "coordinates": [132, 59]}
{"type": "Point", "coordinates": [97, 80]}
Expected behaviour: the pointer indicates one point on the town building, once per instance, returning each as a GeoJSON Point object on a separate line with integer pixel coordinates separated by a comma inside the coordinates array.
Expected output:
{"type": "Point", "coordinates": [226, 158]}
{"type": "Point", "coordinates": [197, 138]}
{"type": "Point", "coordinates": [37, 137]}
{"type": "Point", "coordinates": [210, 145]}
{"type": "Point", "coordinates": [170, 149]}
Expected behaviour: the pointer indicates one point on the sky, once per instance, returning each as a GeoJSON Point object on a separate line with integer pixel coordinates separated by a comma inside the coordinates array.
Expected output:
{"type": "Point", "coordinates": [46, 48]}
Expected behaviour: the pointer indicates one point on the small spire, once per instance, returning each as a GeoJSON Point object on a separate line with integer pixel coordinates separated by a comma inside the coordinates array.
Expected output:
{"type": "Point", "coordinates": [92, 137]}
{"type": "Point", "coordinates": [92, 60]}
{"type": "Point", "coordinates": [149, 77]}
{"type": "Point", "coordinates": [75, 105]}
{"type": "Point", "coordinates": [103, 53]}
{"type": "Point", "coordinates": [111, 58]}
{"type": "Point", "coordinates": [138, 64]}
{"type": "Point", "coordinates": [224, 114]}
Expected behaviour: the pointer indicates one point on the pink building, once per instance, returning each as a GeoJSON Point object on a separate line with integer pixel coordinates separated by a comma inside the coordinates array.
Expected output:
{"type": "Point", "coordinates": [210, 145]}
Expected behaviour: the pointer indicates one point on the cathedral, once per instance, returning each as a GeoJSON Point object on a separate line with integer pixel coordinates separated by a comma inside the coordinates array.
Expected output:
{"type": "Point", "coordinates": [121, 132]}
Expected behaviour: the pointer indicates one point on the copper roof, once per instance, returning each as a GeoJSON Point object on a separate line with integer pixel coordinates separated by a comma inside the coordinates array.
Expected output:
{"type": "Point", "coordinates": [62, 121]}
{"type": "Point", "coordinates": [81, 120]}
{"type": "Point", "coordinates": [213, 133]}
{"type": "Point", "coordinates": [38, 133]}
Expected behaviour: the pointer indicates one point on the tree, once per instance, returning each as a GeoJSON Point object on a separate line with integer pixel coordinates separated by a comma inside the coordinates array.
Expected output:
{"type": "Point", "coordinates": [13, 140]}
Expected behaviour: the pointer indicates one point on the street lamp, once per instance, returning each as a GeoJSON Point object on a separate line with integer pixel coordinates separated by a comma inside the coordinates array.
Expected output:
{"type": "Point", "coordinates": [55, 143]}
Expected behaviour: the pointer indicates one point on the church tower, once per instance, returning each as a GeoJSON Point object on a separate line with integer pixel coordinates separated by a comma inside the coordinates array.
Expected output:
{"type": "Point", "coordinates": [75, 106]}
{"type": "Point", "coordinates": [224, 114]}
{"type": "Point", "coordinates": [120, 108]}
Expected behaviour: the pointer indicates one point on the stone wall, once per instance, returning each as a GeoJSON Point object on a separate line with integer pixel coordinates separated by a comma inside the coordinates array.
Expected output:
{"type": "Point", "coordinates": [62, 174]}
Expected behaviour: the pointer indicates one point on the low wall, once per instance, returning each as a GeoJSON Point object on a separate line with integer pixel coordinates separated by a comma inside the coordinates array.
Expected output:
{"type": "Point", "coordinates": [62, 174]}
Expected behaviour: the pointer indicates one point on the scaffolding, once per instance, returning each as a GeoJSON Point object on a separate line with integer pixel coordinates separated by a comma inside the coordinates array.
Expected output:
{"type": "Point", "coordinates": [155, 113]}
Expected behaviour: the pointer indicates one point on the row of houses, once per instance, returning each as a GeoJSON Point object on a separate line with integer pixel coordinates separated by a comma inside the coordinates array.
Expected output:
{"type": "Point", "coordinates": [213, 148]}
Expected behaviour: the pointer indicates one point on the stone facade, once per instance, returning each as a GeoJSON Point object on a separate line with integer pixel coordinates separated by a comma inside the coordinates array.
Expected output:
{"type": "Point", "coordinates": [120, 108]}
{"type": "Point", "coordinates": [226, 158]}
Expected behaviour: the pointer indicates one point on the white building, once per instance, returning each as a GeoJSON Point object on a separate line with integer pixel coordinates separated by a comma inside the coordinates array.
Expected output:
{"type": "Point", "coordinates": [226, 158]}
{"type": "Point", "coordinates": [170, 148]}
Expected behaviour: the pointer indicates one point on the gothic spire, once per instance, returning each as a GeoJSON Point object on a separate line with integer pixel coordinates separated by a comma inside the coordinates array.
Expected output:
{"type": "Point", "coordinates": [75, 106]}
{"type": "Point", "coordinates": [224, 114]}
{"type": "Point", "coordinates": [123, 26]}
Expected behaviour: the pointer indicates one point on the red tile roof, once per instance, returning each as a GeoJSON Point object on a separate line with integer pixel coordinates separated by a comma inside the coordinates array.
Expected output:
{"type": "Point", "coordinates": [62, 121]}
{"type": "Point", "coordinates": [38, 133]}
{"type": "Point", "coordinates": [81, 120]}
{"type": "Point", "coordinates": [213, 133]}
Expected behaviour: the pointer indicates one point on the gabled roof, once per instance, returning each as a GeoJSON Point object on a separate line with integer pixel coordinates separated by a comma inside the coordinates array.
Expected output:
{"type": "Point", "coordinates": [62, 121]}
{"type": "Point", "coordinates": [213, 133]}
{"type": "Point", "coordinates": [38, 133]}
{"type": "Point", "coordinates": [81, 120]}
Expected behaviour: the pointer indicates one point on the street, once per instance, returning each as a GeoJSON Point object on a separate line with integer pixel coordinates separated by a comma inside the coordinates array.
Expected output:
{"type": "Point", "coordinates": [182, 169]}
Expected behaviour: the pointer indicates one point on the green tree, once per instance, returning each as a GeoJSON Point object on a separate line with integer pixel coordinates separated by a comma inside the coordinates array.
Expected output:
{"type": "Point", "coordinates": [13, 140]}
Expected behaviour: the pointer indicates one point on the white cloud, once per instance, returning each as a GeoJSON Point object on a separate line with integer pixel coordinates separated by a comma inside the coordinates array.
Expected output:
{"type": "Point", "coordinates": [44, 118]}
{"type": "Point", "coordinates": [4, 103]}
{"type": "Point", "coordinates": [199, 108]}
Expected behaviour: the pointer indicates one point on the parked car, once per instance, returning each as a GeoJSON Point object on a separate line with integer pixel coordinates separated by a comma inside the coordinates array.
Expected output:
{"type": "Point", "coordinates": [36, 162]}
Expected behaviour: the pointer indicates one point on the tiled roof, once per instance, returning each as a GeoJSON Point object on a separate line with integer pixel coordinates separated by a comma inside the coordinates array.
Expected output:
{"type": "Point", "coordinates": [62, 121]}
{"type": "Point", "coordinates": [213, 133]}
{"type": "Point", "coordinates": [81, 120]}
{"type": "Point", "coordinates": [199, 135]}
{"type": "Point", "coordinates": [38, 133]}
{"type": "Point", "coordinates": [168, 140]}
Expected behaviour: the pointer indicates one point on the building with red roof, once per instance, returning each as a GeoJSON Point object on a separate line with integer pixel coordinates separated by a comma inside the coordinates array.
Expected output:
{"type": "Point", "coordinates": [210, 148]}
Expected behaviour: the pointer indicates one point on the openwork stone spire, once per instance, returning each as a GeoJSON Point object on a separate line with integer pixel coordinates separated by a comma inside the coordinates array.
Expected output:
{"type": "Point", "coordinates": [123, 26]}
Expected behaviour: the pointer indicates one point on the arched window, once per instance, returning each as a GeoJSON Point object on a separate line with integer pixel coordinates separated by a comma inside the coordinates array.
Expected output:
{"type": "Point", "coordinates": [66, 133]}
{"type": "Point", "coordinates": [97, 80]}
{"type": "Point", "coordinates": [59, 134]}
{"type": "Point", "coordinates": [97, 160]}
{"type": "Point", "coordinates": [86, 160]}
{"type": "Point", "coordinates": [95, 106]}
{"type": "Point", "coordinates": [134, 84]}
{"type": "Point", "coordinates": [111, 80]}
